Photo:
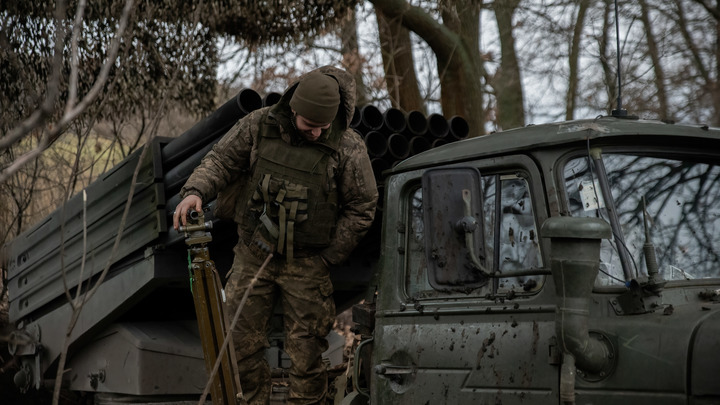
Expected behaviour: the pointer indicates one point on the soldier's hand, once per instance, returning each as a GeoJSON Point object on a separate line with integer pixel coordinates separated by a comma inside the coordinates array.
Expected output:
{"type": "Point", "coordinates": [190, 202]}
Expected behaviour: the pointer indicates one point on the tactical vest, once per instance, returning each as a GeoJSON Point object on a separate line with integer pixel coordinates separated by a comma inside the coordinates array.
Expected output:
{"type": "Point", "coordinates": [290, 204]}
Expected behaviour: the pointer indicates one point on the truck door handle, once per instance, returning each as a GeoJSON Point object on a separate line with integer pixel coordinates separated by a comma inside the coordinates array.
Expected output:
{"type": "Point", "coordinates": [389, 369]}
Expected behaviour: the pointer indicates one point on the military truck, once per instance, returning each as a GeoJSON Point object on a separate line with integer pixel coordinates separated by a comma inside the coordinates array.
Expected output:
{"type": "Point", "coordinates": [565, 262]}
{"type": "Point", "coordinates": [573, 262]}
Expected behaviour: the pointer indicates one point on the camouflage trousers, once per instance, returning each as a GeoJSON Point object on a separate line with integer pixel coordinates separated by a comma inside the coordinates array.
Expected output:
{"type": "Point", "coordinates": [304, 291]}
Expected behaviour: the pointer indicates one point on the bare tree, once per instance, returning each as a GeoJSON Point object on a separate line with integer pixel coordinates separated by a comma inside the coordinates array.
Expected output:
{"type": "Point", "coordinates": [352, 60]}
{"type": "Point", "coordinates": [655, 57]}
{"type": "Point", "coordinates": [398, 63]}
{"type": "Point", "coordinates": [607, 56]}
{"type": "Point", "coordinates": [73, 106]}
{"type": "Point", "coordinates": [507, 82]}
{"type": "Point", "coordinates": [574, 58]}
{"type": "Point", "coordinates": [462, 18]}
{"type": "Point", "coordinates": [702, 56]}
{"type": "Point", "coordinates": [459, 63]}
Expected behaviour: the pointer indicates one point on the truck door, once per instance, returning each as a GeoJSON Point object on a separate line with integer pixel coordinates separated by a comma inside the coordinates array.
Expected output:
{"type": "Point", "coordinates": [445, 332]}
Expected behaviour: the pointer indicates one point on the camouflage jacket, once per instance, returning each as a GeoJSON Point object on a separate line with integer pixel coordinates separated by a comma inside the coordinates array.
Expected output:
{"type": "Point", "coordinates": [230, 163]}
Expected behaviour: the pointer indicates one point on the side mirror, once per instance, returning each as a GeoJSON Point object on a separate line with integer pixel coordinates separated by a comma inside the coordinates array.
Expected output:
{"type": "Point", "coordinates": [454, 237]}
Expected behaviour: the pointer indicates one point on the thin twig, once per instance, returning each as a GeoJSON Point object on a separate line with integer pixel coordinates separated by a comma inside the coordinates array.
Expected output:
{"type": "Point", "coordinates": [71, 112]}
{"type": "Point", "coordinates": [67, 118]}
{"type": "Point", "coordinates": [72, 87]}
{"type": "Point", "coordinates": [78, 309]}
{"type": "Point", "coordinates": [39, 116]}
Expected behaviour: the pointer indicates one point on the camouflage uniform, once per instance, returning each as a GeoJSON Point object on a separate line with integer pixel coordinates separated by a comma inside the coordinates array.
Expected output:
{"type": "Point", "coordinates": [302, 285]}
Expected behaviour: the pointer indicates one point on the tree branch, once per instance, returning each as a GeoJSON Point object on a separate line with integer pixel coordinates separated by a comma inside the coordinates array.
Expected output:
{"type": "Point", "coordinates": [38, 117]}
{"type": "Point", "coordinates": [71, 112]}
{"type": "Point", "coordinates": [420, 22]}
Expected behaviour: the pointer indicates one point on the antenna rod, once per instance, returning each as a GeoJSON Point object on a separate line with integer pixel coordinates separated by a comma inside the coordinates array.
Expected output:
{"type": "Point", "coordinates": [619, 111]}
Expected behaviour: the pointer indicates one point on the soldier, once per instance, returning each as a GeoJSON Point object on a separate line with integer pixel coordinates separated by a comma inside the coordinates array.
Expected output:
{"type": "Point", "coordinates": [299, 183]}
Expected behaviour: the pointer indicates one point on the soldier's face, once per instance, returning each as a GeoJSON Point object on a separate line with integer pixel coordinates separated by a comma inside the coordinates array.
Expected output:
{"type": "Point", "coordinates": [310, 130]}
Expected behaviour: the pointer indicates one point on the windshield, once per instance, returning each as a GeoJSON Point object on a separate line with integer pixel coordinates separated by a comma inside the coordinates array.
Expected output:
{"type": "Point", "coordinates": [682, 206]}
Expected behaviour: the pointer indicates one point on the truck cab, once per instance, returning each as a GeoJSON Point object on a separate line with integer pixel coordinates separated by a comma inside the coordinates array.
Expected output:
{"type": "Point", "coordinates": [549, 264]}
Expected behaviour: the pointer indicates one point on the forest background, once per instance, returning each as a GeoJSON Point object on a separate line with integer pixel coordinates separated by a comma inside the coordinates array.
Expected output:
{"type": "Point", "coordinates": [83, 85]}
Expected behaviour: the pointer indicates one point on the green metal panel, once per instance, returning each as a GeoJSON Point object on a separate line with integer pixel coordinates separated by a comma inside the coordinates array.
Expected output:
{"type": "Point", "coordinates": [137, 280]}
{"type": "Point", "coordinates": [37, 257]}
{"type": "Point", "coordinates": [523, 140]}
{"type": "Point", "coordinates": [457, 347]}
{"type": "Point", "coordinates": [142, 358]}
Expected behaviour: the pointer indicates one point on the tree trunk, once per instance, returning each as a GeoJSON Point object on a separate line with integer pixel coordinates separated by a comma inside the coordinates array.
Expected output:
{"type": "Point", "coordinates": [398, 63]}
{"type": "Point", "coordinates": [507, 83]}
{"type": "Point", "coordinates": [663, 111]}
{"type": "Point", "coordinates": [463, 18]}
{"type": "Point", "coordinates": [351, 59]}
{"type": "Point", "coordinates": [606, 57]}
{"type": "Point", "coordinates": [450, 50]}
{"type": "Point", "coordinates": [715, 86]}
{"type": "Point", "coordinates": [573, 60]}
{"type": "Point", "coordinates": [711, 85]}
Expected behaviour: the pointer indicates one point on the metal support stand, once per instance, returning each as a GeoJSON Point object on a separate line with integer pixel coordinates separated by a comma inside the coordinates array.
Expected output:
{"type": "Point", "coordinates": [208, 297]}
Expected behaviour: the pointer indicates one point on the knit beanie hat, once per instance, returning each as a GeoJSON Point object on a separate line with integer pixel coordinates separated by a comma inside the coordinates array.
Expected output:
{"type": "Point", "coordinates": [317, 98]}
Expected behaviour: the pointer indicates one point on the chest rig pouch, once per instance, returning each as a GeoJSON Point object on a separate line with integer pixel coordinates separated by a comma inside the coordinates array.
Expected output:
{"type": "Point", "coordinates": [290, 204]}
